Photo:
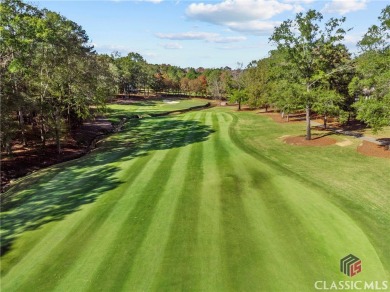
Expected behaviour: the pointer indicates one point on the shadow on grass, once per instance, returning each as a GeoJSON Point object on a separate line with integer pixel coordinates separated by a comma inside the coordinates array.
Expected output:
{"type": "Point", "coordinates": [318, 136]}
{"type": "Point", "coordinates": [65, 188]}
{"type": "Point", "coordinates": [139, 103]}
{"type": "Point", "coordinates": [116, 115]}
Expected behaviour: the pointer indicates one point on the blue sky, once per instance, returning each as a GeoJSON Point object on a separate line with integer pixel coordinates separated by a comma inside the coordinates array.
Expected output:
{"type": "Point", "coordinates": [194, 33]}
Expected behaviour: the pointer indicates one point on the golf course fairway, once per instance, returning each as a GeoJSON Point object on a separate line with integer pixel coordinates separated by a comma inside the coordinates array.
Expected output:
{"type": "Point", "coordinates": [209, 200]}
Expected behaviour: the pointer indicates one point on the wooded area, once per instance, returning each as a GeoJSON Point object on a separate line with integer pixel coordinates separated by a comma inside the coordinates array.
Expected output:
{"type": "Point", "coordinates": [52, 78]}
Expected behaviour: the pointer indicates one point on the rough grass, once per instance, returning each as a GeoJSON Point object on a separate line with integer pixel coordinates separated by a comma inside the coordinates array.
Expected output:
{"type": "Point", "coordinates": [210, 200]}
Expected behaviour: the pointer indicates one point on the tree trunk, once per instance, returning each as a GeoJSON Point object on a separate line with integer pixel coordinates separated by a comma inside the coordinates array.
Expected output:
{"type": "Point", "coordinates": [266, 108]}
{"type": "Point", "coordinates": [68, 118]}
{"type": "Point", "coordinates": [325, 120]}
{"type": "Point", "coordinates": [282, 114]}
{"type": "Point", "coordinates": [8, 145]}
{"type": "Point", "coordinates": [42, 127]}
{"type": "Point", "coordinates": [43, 134]}
{"type": "Point", "coordinates": [57, 132]}
{"type": "Point", "coordinates": [239, 105]}
{"type": "Point", "coordinates": [58, 140]}
{"type": "Point", "coordinates": [308, 128]}
{"type": "Point", "coordinates": [22, 129]}
{"type": "Point", "coordinates": [288, 117]}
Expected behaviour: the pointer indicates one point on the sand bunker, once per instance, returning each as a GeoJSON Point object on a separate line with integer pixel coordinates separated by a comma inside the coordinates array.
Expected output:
{"type": "Point", "coordinates": [170, 101]}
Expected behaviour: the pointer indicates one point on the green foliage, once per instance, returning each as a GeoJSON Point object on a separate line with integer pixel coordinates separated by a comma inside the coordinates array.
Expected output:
{"type": "Point", "coordinates": [287, 97]}
{"type": "Point", "coordinates": [238, 95]}
{"type": "Point", "coordinates": [371, 84]}
{"type": "Point", "coordinates": [132, 72]}
{"type": "Point", "coordinates": [328, 103]}
{"type": "Point", "coordinates": [256, 80]}
{"type": "Point", "coordinates": [304, 41]}
{"type": "Point", "coordinates": [49, 72]}
{"type": "Point", "coordinates": [375, 112]}
{"type": "Point", "coordinates": [313, 53]}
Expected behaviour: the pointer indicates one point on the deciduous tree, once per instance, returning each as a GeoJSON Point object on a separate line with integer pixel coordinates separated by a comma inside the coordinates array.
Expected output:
{"type": "Point", "coordinates": [303, 40]}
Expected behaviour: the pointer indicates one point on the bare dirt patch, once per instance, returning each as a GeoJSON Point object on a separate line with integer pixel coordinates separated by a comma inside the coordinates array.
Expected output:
{"type": "Point", "coordinates": [316, 141]}
{"type": "Point", "coordinates": [372, 149]}
{"type": "Point", "coordinates": [344, 143]}
{"type": "Point", "coordinates": [277, 117]}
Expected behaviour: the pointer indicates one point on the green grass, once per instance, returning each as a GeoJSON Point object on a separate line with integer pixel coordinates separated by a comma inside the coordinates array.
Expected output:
{"type": "Point", "coordinates": [210, 200]}
{"type": "Point", "coordinates": [149, 107]}
{"type": "Point", "coordinates": [384, 133]}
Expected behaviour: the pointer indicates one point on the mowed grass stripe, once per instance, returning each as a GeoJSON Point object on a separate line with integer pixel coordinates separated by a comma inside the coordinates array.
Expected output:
{"type": "Point", "coordinates": [52, 235]}
{"type": "Point", "coordinates": [44, 202]}
{"type": "Point", "coordinates": [209, 229]}
{"type": "Point", "coordinates": [63, 255]}
{"type": "Point", "coordinates": [119, 260]}
{"type": "Point", "coordinates": [303, 230]}
{"type": "Point", "coordinates": [89, 261]}
{"type": "Point", "coordinates": [273, 224]}
{"type": "Point", "coordinates": [179, 269]}
{"type": "Point", "coordinates": [252, 226]}
{"type": "Point", "coordinates": [150, 257]}
{"type": "Point", "coordinates": [80, 226]}
{"type": "Point", "coordinates": [241, 256]}
{"type": "Point", "coordinates": [112, 270]}
{"type": "Point", "coordinates": [303, 233]}
{"type": "Point", "coordinates": [77, 183]}
{"type": "Point", "coordinates": [329, 233]}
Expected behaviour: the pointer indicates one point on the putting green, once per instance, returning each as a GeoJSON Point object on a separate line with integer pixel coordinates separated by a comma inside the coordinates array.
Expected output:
{"type": "Point", "coordinates": [190, 202]}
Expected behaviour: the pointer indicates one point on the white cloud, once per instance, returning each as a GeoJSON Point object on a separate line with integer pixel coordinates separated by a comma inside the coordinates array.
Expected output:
{"type": "Point", "coordinates": [236, 47]}
{"type": "Point", "coordinates": [151, 1]}
{"type": "Point", "coordinates": [150, 55]}
{"type": "Point", "coordinates": [352, 39]}
{"type": "Point", "coordinates": [345, 6]}
{"type": "Point", "coordinates": [299, 1]}
{"type": "Point", "coordinates": [123, 50]}
{"type": "Point", "coordinates": [172, 46]}
{"type": "Point", "coordinates": [299, 8]}
{"type": "Point", "coordinates": [191, 35]}
{"type": "Point", "coordinates": [250, 16]}
{"type": "Point", "coordinates": [224, 40]}
{"type": "Point", "coordinates": [205, 36]}
{"type": "Point", "coordinates": [236, 10]}
{"type": "Point", "coordinates": [254, 27]}
{"type": "Point", "coordinates": [104, 48]}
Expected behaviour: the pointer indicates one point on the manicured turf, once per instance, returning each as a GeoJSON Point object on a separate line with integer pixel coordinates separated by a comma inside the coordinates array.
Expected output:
{"type": "Point", "coordinates": [210, 200]}
{"type": "Point", "coordinates": [150, 107]}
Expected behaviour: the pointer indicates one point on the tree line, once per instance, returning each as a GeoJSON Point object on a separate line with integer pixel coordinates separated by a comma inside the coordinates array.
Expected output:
{"type": "Point", "coordinates": [311, 70]}
{"type": "Point", "coordinates": [52, 78]}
